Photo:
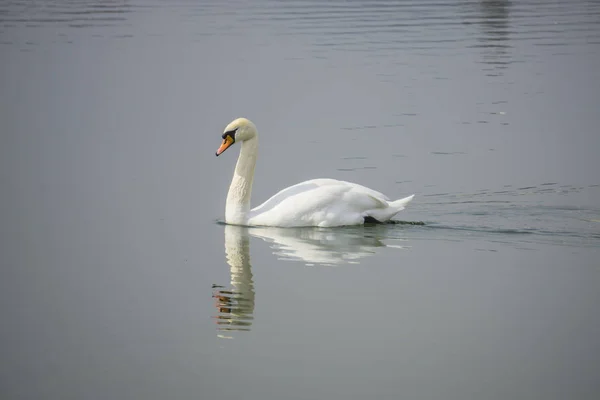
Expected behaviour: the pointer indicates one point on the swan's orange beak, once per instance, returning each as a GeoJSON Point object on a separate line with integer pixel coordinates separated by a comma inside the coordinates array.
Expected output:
{"type": "Point", "coordinates": [228, 141]}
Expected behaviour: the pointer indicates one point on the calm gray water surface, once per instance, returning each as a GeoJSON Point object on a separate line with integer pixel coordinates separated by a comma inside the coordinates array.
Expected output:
{"type": "Point", "coordinates": [117, 281]}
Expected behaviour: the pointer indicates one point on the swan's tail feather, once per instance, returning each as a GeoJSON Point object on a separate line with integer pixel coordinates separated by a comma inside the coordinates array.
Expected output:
{"type": "Point", "coordinates": [386, 213]}
{"type": "Point", "coordinates": [400, 204]}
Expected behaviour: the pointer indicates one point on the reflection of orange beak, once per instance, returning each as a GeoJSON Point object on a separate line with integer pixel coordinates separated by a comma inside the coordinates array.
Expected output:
{"type": "Point", "coordinates": [228, 141]}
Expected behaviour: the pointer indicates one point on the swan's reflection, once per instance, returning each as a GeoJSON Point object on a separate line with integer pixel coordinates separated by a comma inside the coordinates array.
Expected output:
{"type": "Point", "coordinates": [495, 38]}
{"type": "Point", "coordinates": [236, 305]}
{"type": "Point", "coordinates": [311, 246]}
{"type": "Point", "coordinates": [321, 246]}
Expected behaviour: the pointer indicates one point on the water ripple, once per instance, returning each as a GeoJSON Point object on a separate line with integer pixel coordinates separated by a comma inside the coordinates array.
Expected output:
{"type": "Point", "coordinates": [539, 210]}
{"type": "Point", "coordinates": [378, 28]}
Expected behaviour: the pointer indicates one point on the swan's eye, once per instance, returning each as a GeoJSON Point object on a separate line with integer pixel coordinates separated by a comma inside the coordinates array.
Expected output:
{"type": "Point", "coordinates": [230, 133]}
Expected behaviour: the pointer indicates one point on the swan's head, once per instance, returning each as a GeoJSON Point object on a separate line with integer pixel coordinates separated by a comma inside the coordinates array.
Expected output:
{"type": "Point", "coordinates": [238, 130]}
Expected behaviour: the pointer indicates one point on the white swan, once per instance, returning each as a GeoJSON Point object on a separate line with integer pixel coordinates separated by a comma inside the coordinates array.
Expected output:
{"type": "Point", "coordinates": [318, 202]}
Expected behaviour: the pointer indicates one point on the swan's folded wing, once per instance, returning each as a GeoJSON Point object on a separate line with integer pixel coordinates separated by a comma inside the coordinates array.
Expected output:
{"type": "Point", "coordinates": [305, 205]}
{"type": "Point", "coordinates": [302, 187]}
{"type": "Point", "coordinates": [283, 194]}
{"type": "Point", "coordinates": [356, 186]}
{"type": "Point", "coordinates": [380, 198]}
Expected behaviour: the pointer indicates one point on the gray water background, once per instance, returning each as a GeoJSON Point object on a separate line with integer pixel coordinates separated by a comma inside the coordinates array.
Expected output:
{"type": "Point", "coordinates": [118, 281]}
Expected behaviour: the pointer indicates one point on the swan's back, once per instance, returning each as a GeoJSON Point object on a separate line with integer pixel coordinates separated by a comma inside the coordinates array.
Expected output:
{"type": "Point", "coordinates": [322, 202]}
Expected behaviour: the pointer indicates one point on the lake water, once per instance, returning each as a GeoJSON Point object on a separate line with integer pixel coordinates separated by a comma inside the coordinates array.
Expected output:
{"type": "Point", "coordinates": [119, 282]}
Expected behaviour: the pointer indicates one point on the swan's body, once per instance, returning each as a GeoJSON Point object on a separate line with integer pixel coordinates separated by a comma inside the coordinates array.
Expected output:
{"type": "Point", "coordinates": [317, 202]}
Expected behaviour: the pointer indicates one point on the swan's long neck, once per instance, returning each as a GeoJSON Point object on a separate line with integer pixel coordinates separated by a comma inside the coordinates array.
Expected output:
{"type": "Point", "coordinates": [240, 191]}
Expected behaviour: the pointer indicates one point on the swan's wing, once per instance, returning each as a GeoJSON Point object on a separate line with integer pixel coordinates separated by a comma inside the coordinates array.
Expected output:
{"type": "Point", "coordinates": [355, 186]}
{"type": "Point", "coordinates": [278, 197]}
{"type": "Point", "coordinates": [317, 202]}
{"type": "Point", "coordinates": [314, 184]}
{"type": "Point", "coordinates": [300, 205]}
{"type": "Point", "coordinates": [370, 192]}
